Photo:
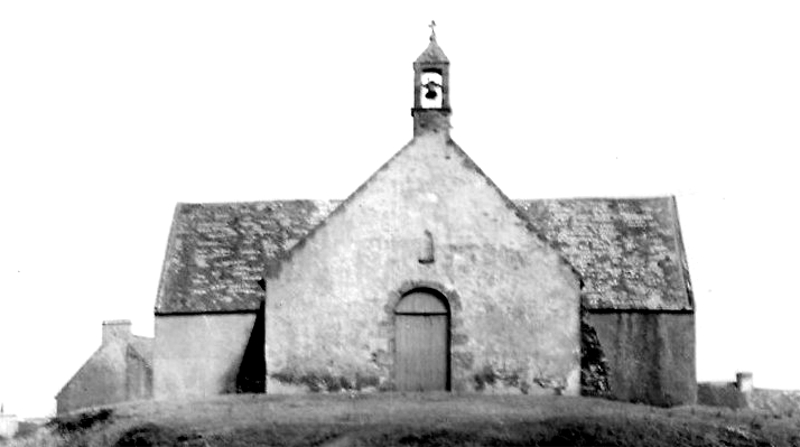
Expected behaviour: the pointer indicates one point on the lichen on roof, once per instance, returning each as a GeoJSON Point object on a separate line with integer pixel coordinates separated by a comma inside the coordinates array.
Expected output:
{"type": "Point", "coordinates": [628, 252]}
{"type": "Point", "coordinates": [216, 252]}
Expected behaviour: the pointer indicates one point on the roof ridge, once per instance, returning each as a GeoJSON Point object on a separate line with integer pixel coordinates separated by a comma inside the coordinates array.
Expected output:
{"type": "Point", "coordinates": [252, 202]}
{"type": "Point", "coordinates": [561, 199]}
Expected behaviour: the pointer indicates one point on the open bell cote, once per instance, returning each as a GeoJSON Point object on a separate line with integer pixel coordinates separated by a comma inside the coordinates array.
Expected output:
{"type": "Point", "coordinates": [431, 109]}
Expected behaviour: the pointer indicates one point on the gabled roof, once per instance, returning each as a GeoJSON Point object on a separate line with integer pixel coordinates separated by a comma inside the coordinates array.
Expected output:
{"type": "Point", "coordinates": [113, 351]}
{"type": "Point", "coordinates": [628, 252]}
{"type": "Point", "coordinates": [216, 252]}
{"type": "Point", "coordinates": [432, 54]}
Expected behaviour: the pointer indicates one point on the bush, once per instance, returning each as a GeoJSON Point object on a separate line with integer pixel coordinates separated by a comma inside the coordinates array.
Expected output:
{"type": "Point", "coordinates": [323, 381]}
{"type": "Point", "coordinates": [77, 423]}
{"type": "Point", "coordinates": [150, 435]}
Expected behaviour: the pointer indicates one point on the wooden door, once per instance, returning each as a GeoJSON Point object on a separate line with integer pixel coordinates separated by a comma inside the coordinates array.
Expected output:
{"type": "Point", "coordinates": [421, 343]}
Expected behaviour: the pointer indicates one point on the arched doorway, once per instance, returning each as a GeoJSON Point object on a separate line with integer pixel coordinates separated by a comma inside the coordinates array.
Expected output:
{"type": "Point", "coordinates": [422, 344]}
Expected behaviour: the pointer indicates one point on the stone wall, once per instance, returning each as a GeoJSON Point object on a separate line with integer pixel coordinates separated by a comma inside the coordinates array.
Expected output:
{"type": "Point", "coordinates": [648, 356]}
{"type": "Point", "coordinates": [743, 394]}
{"type": "Point", "coordinates": [100, 381]}
{"type": "Point", "coordinates": [116, 330]}
{"type": "Point", "coordinates": [721, 394]}
{"type": "Point", "coordinates": [138, 376]}
{"type": "Point", "coordinates": [200, 355]}
{"type": "Point", "coordinates": [778, 402]}
{"type": "Point", "coordinates": [120, 370]}
{"type": "Point", "coordinates": [514, 302]}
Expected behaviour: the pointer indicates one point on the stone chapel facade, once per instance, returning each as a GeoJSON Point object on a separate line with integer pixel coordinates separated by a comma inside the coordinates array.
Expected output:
{"type": "Point", "coordinates": [427, 278]}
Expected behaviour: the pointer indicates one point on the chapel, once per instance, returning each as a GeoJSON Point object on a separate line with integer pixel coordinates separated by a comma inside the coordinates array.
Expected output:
{"type": "Point", "coordinates": [427, 278]}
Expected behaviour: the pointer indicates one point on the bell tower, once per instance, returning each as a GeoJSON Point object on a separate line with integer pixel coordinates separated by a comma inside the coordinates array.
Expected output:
{"type": "Point", "coordinates": [431, 109]}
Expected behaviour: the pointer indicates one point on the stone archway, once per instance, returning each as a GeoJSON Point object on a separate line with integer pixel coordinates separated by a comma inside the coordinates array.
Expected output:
{"type": "Point", "coordinates": [422, 342]}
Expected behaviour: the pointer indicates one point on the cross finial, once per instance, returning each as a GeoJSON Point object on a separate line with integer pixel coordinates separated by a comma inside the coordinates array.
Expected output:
{"type": "Point", "coordinates": [432, 26]}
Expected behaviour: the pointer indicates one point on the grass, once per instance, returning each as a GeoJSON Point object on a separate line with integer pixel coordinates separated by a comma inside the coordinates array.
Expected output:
{"type": "Point", "coordinates": [426, 420]}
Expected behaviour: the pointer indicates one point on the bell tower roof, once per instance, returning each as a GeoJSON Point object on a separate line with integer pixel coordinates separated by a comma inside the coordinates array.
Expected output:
{"type": "Point", "coordinates": [433, 54]}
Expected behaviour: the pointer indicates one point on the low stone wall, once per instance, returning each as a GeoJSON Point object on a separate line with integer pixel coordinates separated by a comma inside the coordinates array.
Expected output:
{"type": "Point", "coordinates": [726, 394]}
{"type": "Point", "coordinates": [721, 394]}
{"type": "Point", "coordinates": [742, 394]}
{"type": "Point", "coordinates": [782, 402]}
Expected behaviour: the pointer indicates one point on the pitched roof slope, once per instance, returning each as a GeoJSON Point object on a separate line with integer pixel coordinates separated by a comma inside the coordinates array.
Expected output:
{"type": "Point", "coordinates": [432, 54]}
{"type": "Point", "coordinates": [111, 352]}
{"type": "Point", "coordinates": [216, 252]}
{"type": "Point", "coordinates": [628, 252]}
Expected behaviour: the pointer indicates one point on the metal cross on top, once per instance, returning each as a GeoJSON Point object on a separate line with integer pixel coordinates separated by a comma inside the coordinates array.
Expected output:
{"type": "Point", "coordinates": [432, 26]}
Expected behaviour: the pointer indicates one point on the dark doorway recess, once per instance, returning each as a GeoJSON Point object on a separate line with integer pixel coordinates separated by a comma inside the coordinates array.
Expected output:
{"type": "Point", "coordinates": [253, 369]}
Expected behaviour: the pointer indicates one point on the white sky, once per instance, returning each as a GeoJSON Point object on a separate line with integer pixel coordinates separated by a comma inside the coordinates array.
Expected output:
{"type": "Point", "coordinates": [111, 112]}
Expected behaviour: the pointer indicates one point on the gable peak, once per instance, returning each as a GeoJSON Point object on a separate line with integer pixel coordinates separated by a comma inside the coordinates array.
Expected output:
{"type": "Point", "coordinates": [433, 54]}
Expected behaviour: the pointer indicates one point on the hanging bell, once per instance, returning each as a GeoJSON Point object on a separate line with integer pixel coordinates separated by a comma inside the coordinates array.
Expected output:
{"type": "Point", "coordinates": [431, 93]}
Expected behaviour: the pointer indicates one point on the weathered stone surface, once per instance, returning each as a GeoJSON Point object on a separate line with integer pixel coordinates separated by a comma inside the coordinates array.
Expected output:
{"type": "Point", "coordinates": [120, 370]}
{"type": "Point", "coordinates": [217, 252]}
{"type": "Point", "coordinates": [201, 355]}
{"type": "Point", "coordinates": [721, 394]}
{"type": "Point", "coordinates": [514, 301]}
{"type": "Point", "coordinates": [783, 402]}
{"type": "Point", "coordinates": [628, 252]}
{"type": "Point", "coordinates": [649, 356]}
{"type": "Point", "coordinates": [733, 395]}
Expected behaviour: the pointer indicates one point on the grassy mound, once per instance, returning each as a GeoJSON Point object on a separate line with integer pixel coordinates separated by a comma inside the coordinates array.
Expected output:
{"type": "Point", "coordinates": [431, 420]}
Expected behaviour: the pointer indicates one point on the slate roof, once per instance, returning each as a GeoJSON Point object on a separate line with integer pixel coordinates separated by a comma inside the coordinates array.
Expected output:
{"type": "Point", "coordinates": [217, 252]}
{"type": "Point", "coordinates": [432, 54]}
{"type": "Point", "coordinates": [628, 252]}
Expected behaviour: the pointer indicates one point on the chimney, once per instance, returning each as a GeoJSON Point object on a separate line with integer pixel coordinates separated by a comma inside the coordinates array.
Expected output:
{"type": "Point", "coordinates": [116, 330]}
{"type": "Point", "coordinates": [744, 382]}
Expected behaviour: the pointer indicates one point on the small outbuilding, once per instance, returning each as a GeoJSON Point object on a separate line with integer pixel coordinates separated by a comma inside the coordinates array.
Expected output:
{"type": "Point", "coordinates": [9, 424]}
{"type": "Point", "coordinates": [120, 370]}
